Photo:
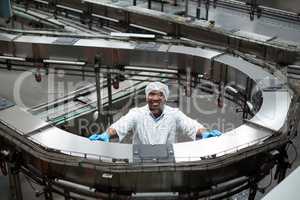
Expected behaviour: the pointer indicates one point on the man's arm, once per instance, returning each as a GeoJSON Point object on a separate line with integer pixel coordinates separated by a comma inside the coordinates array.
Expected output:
{"type": "Point", "coordinates": [189, 126]}
{"type": "Point", "coordinates": [194, 129]}
{"type": "Point", "coordinates": [122, 126]}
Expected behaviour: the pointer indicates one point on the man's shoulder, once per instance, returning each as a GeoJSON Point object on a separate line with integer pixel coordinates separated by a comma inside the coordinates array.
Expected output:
{"type": "Point", "coordinates": [171, 110]}
{"type": "Point", "coordinates": [139, 109]}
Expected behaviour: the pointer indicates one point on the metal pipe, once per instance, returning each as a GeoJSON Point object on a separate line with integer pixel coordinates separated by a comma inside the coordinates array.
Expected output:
{"type": "Point", "coordinates": [12, 58]}
{"type": "Point", "coordinates": [170, 71]}
{"type": "Point", "coordinates": [63, 62]}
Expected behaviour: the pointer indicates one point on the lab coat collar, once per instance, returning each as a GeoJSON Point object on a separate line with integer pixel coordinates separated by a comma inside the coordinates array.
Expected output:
{"type": "Point", "coordinates": [156, 119]}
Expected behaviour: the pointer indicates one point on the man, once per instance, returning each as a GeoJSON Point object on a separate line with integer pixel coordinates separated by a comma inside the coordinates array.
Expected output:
{"type": "Point", "coordinates": [155, 123]}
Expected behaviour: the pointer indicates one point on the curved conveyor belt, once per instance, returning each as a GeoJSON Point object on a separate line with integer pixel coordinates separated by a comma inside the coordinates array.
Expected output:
{"type": "Point", "coordinates": [180, 167]}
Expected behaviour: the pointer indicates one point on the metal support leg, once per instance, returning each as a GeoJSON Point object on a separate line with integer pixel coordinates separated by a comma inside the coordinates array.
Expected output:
{"type": "Point", "coordinates": [198, 9]}
{"type": "Point", "coordinates": [67, 195]}
{"type": "Point", "coordinates": [175, 3]}
{"type": "Point", "coordinates": [149, 4]}
{"type": "Point", "coordinates": [110, 106]}
{"type": "Point", "coordinates": [48, 194]}
{"type": "Point", "coordinates": [252, 192]}
{"type": "Point", "coordinates": [186, 8]}
{"type": "Point", "coordinates": [282, 166]}
{"type": "Point", "coordinates": [198, 12]}
{"type": "Point", "coordinates": [134, 2]}
{"type": "Point", "coordinates": [253, 8]}
{"type": "Point", "coordinates": [206, 9]}
{"type": "Point", "coordinates": [252, 188]}
{"type": "Point", "coordinates": [199, 2]}
{"type": "Point", "coordinates": [98, 89]}
{"type": "Point", "coordinates": [215, 3]}
{"type": "Point", "coordinates": [14, 183]}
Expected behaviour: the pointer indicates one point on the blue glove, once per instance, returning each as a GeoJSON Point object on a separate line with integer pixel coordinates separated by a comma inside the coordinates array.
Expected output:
{"type": "Point", "coordinates": [102, 137]}
{"type": "Point", "coordinates": [212, 133]}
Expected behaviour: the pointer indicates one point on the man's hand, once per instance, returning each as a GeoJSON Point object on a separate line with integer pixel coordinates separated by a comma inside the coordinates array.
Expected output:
{"type": "Point", "coordinates": [212, 133]}
{"type": "Point", "coordinates": [102, 137]}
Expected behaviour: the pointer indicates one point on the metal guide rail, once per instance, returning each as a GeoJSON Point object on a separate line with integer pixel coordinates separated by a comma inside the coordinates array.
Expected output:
{"type": "Point", "coordinates": [129, 168]}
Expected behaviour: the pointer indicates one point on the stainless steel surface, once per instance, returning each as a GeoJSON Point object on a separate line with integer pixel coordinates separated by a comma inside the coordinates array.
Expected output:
{"type": "Point", "coordinates": [21, 120]}
{"type": "Point", "coordinates": [105, 44]}
{"type": "Point", "coordinates": [7, 36]}
{"type": "Point", "coordinates": [254, 36]}
{"type": "Point", "coordinates": [63, 62]}
{"type": "Point", "coordinates": [132, 35]}
{"type": "Point", "coordinates": [68, 143]}
{"type": "Point", "coordinates": [37, 40]}
{"type": "Point", "coordinates": [262, 78]}
{"type": "Point", "coordinates": [158, 176]}
{"type": "Point", "coordinates": [230, 142]}
{"type": "Point", "coordinates": [12, 58]}
{"type": "Point", "coordinates": [204, 53]}
{"type": "Point", "coordinates": [274, 109]}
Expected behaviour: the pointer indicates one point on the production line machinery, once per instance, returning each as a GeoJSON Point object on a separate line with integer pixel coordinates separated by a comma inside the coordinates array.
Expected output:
{"type": "Point", "coordinates": [35, 142]}
{"type": "Point", "coordinates": [63, 161]}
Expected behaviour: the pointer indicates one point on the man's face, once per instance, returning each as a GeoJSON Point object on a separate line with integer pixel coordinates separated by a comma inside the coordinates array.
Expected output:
{"type": "Point", "coordinates": [156, 101]}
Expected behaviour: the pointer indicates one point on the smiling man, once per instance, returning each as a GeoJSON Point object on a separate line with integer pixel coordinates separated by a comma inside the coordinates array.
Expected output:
{"type": "Point", "coordinates": [155, 123]}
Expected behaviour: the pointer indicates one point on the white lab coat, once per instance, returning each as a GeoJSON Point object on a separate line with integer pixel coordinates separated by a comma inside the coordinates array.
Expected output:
{"type": "Point", "coordinates": [147, 130]}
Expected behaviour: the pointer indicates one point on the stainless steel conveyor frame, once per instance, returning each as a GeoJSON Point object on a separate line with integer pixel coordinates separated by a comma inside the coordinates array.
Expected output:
{"type": "Point", "coordinates": [126, 168]}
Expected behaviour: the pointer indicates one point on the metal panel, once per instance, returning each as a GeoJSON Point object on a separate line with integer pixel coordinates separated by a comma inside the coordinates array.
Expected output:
{"type": "Point", "coordinates": [34, 39]}
{"type": "Point", "coordinates": [105, 44]}
{"type": "Point", "coordinates": [230, 142]}
{"type": "Point", "coordinates": [21, 120]}
{"type": "Point", "coordinates": [254, 36]}
{"type": "Point", "coordinates": [273, 111]}
{"type": "Point", "coordinates": [204, 53]}
{"type": "Point", "coordinates": [71, 144]}
{"type": "Point", "coordinates": [153, 153]}
{"type": "Point", "coordinates": [66, 41]}
{"type": "Point", "coordinates": [6, 37]}
{"type": "Point", "coordinates": [261, 77]}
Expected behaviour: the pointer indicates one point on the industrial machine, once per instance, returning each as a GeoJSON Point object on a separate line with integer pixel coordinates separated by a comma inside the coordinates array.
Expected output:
{"type": "Point", "coordinates": [257, 73]}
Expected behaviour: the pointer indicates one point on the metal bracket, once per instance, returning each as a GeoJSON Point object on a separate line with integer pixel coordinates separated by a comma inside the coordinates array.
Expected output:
{"type": "Point", "coordinates": [153, 153]}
